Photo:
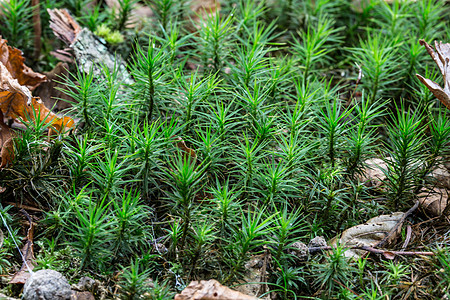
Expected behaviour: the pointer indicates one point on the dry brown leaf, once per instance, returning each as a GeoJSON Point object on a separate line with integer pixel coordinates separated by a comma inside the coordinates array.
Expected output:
{"type": "Point", "coordinates": [372, 175]}
{"type": "Point", "coordinates": [389, 255]}
{"type": "Point", "coordinates": [182, 146]}
{"type": "Point", "coordinates": [14, 62]}
{"type": "Point", "coordinates": [368, 234]}
{"type": "Point", "coordinates": [6, 146]}
{"type": "Point", "coordinates": [435, 201]}
{"type": "Point", "coordinates": [441, 57]}
{"type": "Point", "coordinates": [16, 100]}
{"type": "Point", "coordinates": [210, 290]}
{"type": "Point", "coordinates": [28, 254]}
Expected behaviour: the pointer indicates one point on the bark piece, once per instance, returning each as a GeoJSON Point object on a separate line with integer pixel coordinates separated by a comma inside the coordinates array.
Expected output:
{"type": "Point", "coordinates": [210, 290]}
{"type": "Point", "coordinates": [88, 51]}
{"type": "Point", "coordinates": [63, 25]}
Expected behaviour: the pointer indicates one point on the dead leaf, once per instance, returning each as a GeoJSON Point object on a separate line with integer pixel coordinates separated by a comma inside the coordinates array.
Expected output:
{"type": "Point", "coordinates": [435, 201]}
{"type": "Point", "coordinates": [14, 62]}
{"type": "Point", "coordinates": [441, 57]}
{"type": "Point", "coordinates": [27, 253]}
{"type": "Point", "coordinates": [372, 175]}
{"type": "Point", "coordinates": [210, 290]}
{"type": "Point", "coordinates": [182, 146]}
{"type": "Point", "coordinates": [16, 100]}
{"type": "Point", "coordinates": [368, 234]}
{"type": "Point", "coordinates": [389, 255]}
{"type": "Point", "coordinates": [6, 146]}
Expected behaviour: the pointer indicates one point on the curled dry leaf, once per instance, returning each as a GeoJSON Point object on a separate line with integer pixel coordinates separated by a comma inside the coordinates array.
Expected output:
{"type": "Point", "coordinates": [14, 62]}
{"type": "Point", "coordinates": [188, 151]}
{"type": "Point", "coordinates": [441, 57]}
{"type": "Point", "coordinates": [210, 290]}
{"type": "Point", "coordinates": [368, 234]}
{"type": "Point", "coordinates": [16, 100]}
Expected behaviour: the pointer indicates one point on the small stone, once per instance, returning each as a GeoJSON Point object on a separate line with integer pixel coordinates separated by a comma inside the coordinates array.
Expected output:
{"type": "Point", "coordinates": [318, 241]}
{"type": "Point", "coordinates": [47, 285]}
{"type": "Point", "coordinates": [301, 251]}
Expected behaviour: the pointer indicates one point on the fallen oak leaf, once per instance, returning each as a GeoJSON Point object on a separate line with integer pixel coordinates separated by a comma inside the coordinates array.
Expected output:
{"type": "Point", "coordinates": [9, 87]}
{"type": "Point", "coordinates": [16, 104]}
{"type": "Point", "coordinates": [441, 57]}
{"type": "Point", "coordinates": [16, 101]}
{"type": "Point", "coordinates": [14, 62]}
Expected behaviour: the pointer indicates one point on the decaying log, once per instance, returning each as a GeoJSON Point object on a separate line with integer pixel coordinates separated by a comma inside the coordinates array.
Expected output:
{"type": "Point", "coordinates": [89, 52]}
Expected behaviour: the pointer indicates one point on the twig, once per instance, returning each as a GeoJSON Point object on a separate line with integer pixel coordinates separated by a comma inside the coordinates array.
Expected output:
{"type": "Point", "coordinates": [22, 206]}
{"type": "Point", "coordinates": [408, 237]}
{"type": "Point", "coordinates": [346, 287]}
